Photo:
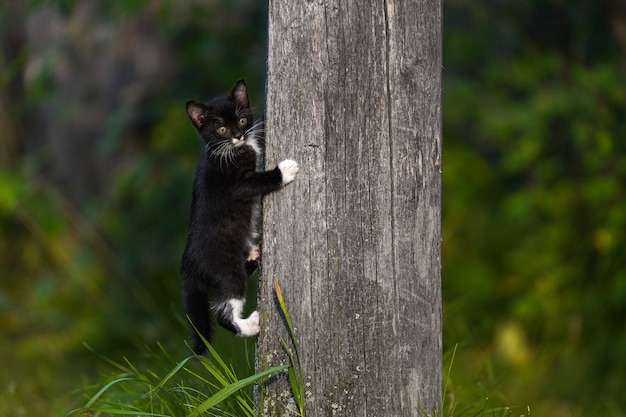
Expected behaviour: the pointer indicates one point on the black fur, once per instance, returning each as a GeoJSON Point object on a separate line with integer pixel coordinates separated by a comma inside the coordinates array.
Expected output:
{"type": "Point", "coordinates": [224, 199]}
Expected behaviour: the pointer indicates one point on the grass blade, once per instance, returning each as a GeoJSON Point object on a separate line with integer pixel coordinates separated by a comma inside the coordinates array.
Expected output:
{"type": "Point", "coordinates": [119, 412]}
{"type": "Point", "coordinates": [283, 307]}
{"type": "Point", "coordinates": [172, 373]}
{"type": "Point", "coordinates": [106, 388]}
{"type": "Point", "coordinates": [296, 378]}
{"type": "Point", "coordinates": [232, 388]}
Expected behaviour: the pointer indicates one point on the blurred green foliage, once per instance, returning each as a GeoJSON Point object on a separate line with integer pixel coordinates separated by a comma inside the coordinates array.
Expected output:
{"type": "Point", "coordinates": [534, 209]}
{"type": "Point", "coordinates": [101, 267]}
{"type": "Point", "coordinates": [534, 206]}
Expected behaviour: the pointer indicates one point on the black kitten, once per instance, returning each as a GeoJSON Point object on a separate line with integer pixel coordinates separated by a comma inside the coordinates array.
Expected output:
{"type": "Point", "coordinates": [221, 232]}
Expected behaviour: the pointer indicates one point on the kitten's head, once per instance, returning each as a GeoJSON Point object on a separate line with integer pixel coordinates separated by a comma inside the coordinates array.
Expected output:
{"type": "Point", "coordinates": [225, 123]}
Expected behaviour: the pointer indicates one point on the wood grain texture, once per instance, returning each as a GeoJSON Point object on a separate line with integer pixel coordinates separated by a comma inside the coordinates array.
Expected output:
{"type": "Point", "coordinates": [354, 95]}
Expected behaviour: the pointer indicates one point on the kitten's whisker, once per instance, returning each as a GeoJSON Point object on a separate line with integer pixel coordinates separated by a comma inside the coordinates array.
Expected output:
{"type": "Point", "coordinates": [256, 131]}
{"type": "Point", "coordinates": [258, 125]}
{"type": "Point", "coordinates": [222, 152]}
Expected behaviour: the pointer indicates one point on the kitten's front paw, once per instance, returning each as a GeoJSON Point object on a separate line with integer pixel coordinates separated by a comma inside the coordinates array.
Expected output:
{"type": "Point", "coordinates": [249, 326]}
{"type": "Point", "coordinates": [288, 169]}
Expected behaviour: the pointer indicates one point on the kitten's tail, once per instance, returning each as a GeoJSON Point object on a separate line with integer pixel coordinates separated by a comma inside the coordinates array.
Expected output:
{"type": "Point", "coordinates": [198, 310]}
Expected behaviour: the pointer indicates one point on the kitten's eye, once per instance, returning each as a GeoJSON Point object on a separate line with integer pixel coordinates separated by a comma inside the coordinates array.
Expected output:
{"type": "Point", "coordinates": [221, 130]}
{"type": "Point", "coordinates": [243, 121]}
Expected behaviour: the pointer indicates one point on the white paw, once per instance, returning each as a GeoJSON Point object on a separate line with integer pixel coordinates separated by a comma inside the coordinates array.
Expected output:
{"type": "Point", "coordinates": [249, 326]}
{"type": "Point", "coordinates": [288, 168]}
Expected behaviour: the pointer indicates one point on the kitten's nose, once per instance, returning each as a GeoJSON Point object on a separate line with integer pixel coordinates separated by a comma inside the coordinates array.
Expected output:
{"type": "Point", "coordinates": [238, 140]}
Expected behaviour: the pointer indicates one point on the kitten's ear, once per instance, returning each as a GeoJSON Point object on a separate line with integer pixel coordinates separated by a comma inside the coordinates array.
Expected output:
{"type": "Point", "coordinates": [240, 94]}
{"type": "Point", "coordinates": [197, 113]}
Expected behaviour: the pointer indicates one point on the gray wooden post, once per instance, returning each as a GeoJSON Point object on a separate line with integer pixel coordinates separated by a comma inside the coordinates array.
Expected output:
{"type": "Point", "coordinates": [354, 95]}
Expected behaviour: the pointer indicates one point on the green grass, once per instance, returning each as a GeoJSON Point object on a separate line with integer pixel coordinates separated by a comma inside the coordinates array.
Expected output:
{"type": "Point", "coordinates": [199, 385]}
{"type": "Point", "coordinates": [474, 402]}
{"type": "Point", "coordinates": [193, 386]}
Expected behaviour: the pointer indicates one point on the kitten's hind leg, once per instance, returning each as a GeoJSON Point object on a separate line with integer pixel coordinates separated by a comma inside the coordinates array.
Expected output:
{"type": "Point", "coordinates": [229, 316]}
{"type": "Point", "coordinates": [197, 306]}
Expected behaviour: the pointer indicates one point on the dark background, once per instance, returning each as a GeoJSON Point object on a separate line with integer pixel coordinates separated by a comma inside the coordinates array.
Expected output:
{"type": "Point", "coordinates": [97, 157]}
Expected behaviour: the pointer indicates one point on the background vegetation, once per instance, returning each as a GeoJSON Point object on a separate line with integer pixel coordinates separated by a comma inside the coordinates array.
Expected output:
{"type": "Point", "coordinates": [97, 156]}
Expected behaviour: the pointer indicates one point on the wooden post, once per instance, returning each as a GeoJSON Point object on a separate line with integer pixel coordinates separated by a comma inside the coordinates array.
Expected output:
{"type": "Point", "coordinates": [354, 96]}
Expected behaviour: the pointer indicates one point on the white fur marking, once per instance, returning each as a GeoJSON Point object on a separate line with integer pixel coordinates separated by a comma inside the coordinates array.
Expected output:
{"type": "Point", "coordinates": [254, 253]}
{"type": "Point", "coordinates": [252, 142]}
{"type": "Point", "coordinates": [288, 168]}
{"type": "Point", "coordinates": [249, 326]}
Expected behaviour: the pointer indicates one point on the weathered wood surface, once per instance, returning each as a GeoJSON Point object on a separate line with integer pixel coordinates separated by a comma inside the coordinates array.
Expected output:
{"type": "Point", "coordinates": [354, 95]}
